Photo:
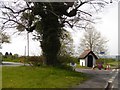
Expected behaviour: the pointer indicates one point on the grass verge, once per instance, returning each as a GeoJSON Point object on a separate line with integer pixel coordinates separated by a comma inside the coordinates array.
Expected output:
{"type": "Point", "coordinates": [0, 77]}
{"type": "Point", "coordinates": [40, 77]}
{"type": "Point", "coordinates": [114, 64]}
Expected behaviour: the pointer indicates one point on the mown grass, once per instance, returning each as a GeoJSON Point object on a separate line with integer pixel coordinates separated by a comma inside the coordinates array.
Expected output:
{"type": "Point", "coordinates": [0, 77]}
{"type": "Point", "coordinates": [40, 77]}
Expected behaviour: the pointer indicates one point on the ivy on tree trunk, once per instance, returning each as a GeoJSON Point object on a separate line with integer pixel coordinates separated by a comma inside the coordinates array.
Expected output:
{"type": "Point", "coordinates": [50, 40]}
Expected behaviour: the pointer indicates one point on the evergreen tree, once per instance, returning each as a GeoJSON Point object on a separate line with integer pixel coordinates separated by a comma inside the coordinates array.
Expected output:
{"type": "Point", "coordinates": [6, 54]}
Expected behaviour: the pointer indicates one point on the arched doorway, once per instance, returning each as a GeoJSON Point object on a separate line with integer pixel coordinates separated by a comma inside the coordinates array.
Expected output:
{"type": "Point", "coordinates": [90, 61]}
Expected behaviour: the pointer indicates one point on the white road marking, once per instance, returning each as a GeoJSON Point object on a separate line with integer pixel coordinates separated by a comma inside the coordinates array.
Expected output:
{"type": "Point", "coordinates": [113, 77]}
{"type": "Point", "coordinates": [117, 70]}
{"type": "Point", "coordinates": [112, 86]}
{"type": "Point", "coordinates": [113, 70]}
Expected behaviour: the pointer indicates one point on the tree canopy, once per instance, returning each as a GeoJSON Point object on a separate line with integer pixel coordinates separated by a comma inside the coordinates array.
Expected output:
{"type": "Point", "coordinates": [67, 47]}
{"type": "Point", "coordinates": [48, 19]}
{"type": "Point", "coordinates": [4, 38]}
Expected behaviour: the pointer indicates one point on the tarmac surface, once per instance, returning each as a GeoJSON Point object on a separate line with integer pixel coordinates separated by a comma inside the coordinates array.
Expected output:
{"type": "Point", "coordinates": [99, 80]}
{"type": "Point", "coordinates": [12, 64]}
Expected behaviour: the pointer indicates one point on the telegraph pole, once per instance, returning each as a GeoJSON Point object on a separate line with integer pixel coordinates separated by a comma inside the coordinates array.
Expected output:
{"type": "Point", "coordinates": [28, 43]}
{"type": "Point", "coordinates": [25, 56]}
{"type": "Point", "coordinates": [27, 49]}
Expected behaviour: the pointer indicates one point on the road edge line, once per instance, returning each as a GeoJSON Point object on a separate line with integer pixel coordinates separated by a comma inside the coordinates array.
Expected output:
{"type": "Point", "coordinates": [110, 81]}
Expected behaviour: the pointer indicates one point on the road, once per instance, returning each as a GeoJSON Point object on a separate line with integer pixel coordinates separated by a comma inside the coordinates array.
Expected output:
{"type": "Point", "coordinates": [99, 80]}
{"type": "Point", "coordinates": [12, 64]}
{"type": "Point", "coordinates": [116, 82]}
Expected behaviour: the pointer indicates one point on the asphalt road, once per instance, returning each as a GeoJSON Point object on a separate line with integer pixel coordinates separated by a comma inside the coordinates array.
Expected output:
{"type": "Point", "coordinates": [116, 82]}
{"type": "Point", "coordinates": [99, 80]}
{"type": "Point", "coordinates": [11, 64]}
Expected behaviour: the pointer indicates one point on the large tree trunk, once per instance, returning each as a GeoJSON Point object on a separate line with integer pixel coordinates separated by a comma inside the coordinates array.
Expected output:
{"type": "Point", "coordinates": [50, 40]}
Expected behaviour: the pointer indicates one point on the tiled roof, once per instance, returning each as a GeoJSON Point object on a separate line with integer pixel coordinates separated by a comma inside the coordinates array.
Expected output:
{"type": "Point", "coordinates": [86, 53]}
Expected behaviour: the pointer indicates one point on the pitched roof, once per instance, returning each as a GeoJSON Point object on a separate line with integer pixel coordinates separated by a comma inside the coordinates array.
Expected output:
{"type": "Point", "coordinates": [86, 53]}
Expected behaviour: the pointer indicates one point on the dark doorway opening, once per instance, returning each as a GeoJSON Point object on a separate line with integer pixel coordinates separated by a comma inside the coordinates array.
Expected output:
{"type": "Point", "coordinates": [90, 61]}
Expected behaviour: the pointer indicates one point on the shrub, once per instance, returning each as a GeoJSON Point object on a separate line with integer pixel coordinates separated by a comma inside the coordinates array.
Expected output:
{"type": "Point", "coordinates": [22, 59]}
{"type": "Point", "coordinates": [15, 56]}
{"type": "Point", "coordinates": [67, 59]}
{"type": "Point", "coordinates": [36, 60]}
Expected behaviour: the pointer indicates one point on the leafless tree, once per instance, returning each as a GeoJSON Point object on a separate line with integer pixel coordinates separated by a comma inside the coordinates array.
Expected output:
{"type": "Point", "coordinates": [93, 40]}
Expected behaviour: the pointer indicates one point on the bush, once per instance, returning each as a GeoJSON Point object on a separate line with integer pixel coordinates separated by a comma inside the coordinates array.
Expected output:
{"type": "Point", "coordinates": [22, 59]}
{"type": "Point", "coordinates": [36, 60]}
{"type": "Point", "coordinates": [15, 56]}
{"type": "Point", "coordinates": [67, 59]}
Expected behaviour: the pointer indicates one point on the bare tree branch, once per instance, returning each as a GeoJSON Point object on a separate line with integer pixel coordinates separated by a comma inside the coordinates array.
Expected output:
{"type": "Point", "coordinates": [93, 40]}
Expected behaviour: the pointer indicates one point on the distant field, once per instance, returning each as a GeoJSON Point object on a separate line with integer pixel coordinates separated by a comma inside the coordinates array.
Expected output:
{"type": "Point", "coordinates": [12, 59]}
{"type": "Point", "coordinates": [40, 77]}
{"type": "Point", "coordinates": [114, 64]}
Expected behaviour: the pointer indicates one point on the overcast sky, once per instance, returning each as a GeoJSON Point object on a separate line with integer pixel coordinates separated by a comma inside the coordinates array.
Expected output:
{"type": "Point", "coordinates": [107, 25]}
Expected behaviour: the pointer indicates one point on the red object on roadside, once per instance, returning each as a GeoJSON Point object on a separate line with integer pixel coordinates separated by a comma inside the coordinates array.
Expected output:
{"type": "Point", "coordinates": [100, 66]}
{"type": "Point", "coordinates": [108, 67]}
